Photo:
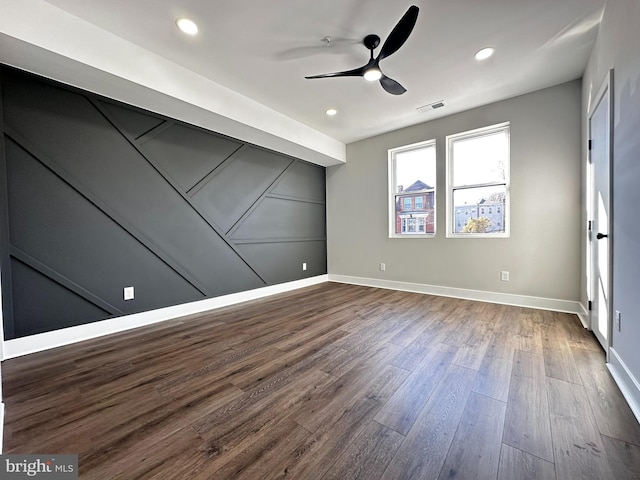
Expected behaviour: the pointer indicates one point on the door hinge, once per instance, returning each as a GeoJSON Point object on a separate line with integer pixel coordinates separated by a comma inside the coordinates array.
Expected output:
{"type": "Point", "coordinates": [589, 225]}
{"type": "Point", "coordinates": [590, 305]}
{"type": "Point", "coordinates": [590, 146]}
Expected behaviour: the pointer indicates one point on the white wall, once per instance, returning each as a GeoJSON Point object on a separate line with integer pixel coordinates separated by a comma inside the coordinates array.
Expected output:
{"type": "Point", "coordinates": [543, 252]}
{"type": "Point", "coordinates": [617, 47]}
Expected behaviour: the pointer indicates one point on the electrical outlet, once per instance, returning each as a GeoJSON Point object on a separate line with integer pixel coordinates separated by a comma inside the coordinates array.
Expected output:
{"type": "Point", "coordinates": [128, 293]}
{"type": "Point", "coordinates": [618, 315]}
{"type": "Point", "coordinates": [504, 276]}
{"type": "Point", "coordinates": [383, 267]}
{"type": "Point", "coordinates": [304, 265]}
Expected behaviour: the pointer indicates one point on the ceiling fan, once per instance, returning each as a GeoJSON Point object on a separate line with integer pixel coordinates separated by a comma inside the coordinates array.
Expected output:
{"type": "Point", "coordinates": [371, 71]}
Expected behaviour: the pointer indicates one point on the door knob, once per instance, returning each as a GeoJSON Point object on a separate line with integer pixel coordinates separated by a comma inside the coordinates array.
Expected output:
{"type": "Point", "coordinates": [600, 236]}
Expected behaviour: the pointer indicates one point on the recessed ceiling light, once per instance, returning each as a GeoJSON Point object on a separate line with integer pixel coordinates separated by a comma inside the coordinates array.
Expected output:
{"type": "Point", "coordinates": [331, 112]}
{"type": "Point", "coordinates": [484, 53]}
{"type": "Point", "coordinates": [187, 26]}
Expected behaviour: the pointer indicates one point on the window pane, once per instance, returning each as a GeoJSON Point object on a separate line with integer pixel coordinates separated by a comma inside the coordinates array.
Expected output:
{"type": "Point", "coordinates": [413, 184]}
{"type": "Point", "coordinates": [413, 166]}
{"type": "Point", "coordinates": [479, 210]}
{"type": "Point", "coordinates": [480, 159]}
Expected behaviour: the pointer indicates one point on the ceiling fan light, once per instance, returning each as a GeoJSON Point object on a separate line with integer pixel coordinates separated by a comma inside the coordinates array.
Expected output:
{"type": "Point", "coordinates": [372, 75]}
{"type": "Point", "coordinates": [187, 26]}
{"type": "Point", "coordinates": [484, 53]}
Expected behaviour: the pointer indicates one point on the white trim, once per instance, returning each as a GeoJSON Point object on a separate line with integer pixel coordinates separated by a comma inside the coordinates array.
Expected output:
{"type": "Point", "coordinates": [57, 338]}
{"type": "Point", "coordinates": [540, 303]}
{"type": "Point", "coordinates": [392, 186]}
{"type": "Point", "coordinates": [450, 207]}
{"type": "Point", "coordinates": [583, 315]}
{"type": "Point", "coordinates": [627, 383]}
{"type": "Point", "coordinates": [604, 93]}
{"type": "Point", "coordinates": [1, 425]}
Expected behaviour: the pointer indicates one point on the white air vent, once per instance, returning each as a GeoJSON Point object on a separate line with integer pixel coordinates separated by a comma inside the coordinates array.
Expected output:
{"type": "Point", "coordinates": [430, 106]}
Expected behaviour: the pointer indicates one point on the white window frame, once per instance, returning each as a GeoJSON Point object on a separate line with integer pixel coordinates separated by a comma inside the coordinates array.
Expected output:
{"type": "Point", "coordinates": [392, 152]}
{"type": "Point", "coordinates": [479, 132]}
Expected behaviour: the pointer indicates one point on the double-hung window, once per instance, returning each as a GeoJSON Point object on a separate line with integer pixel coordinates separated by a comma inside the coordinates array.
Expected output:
{"type": "Point", "coordinates": [412, 181]}
{"type": "Point", "coordinates": [478, 182]}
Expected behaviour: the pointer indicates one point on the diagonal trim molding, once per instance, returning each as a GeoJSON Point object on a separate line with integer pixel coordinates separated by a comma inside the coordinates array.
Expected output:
{"type": "Point", "coordinates": [139, 148]}
{"type": "Point", "coordinates": [565, 306]}
{"type": "Point", "coordinates": [63, 281]}
{"type": "Point", "coordinates": [83, 191]}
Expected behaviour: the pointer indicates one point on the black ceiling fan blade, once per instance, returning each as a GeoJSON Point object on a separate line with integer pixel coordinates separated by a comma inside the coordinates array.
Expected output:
{"type": "Point", "coordinates": [391, 86]}
{"type": "Point", "coordinates": [400, 33]}
{"type": "Point", "coordinates": [356, 72]}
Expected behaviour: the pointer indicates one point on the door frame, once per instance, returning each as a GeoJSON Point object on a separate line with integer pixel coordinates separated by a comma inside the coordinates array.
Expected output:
{"type": "Point", "coordinates": [605, 90]}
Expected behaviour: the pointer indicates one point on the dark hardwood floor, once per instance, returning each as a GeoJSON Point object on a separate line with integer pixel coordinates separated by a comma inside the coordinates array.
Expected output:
{"type": "Point", "coordinates": [331, 382]}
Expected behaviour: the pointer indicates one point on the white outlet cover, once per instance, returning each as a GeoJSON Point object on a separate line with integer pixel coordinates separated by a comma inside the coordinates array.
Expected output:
{"type": "Point", "coordinates": [128, 293]}
{"type": "Point", "coordinates": [304, 265]}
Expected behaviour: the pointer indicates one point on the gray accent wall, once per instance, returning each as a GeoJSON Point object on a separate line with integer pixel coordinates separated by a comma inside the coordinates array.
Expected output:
{"type": "Point", "coordinates": [543, 252]}
{"type": "Point", "coordinates": [100, 196]}
{"type": "Point", "coordinates": [617, 47]}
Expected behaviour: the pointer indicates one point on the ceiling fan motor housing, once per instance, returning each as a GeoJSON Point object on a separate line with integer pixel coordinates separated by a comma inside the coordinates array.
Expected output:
{"type": "Point", "coordinates": [371, 41]}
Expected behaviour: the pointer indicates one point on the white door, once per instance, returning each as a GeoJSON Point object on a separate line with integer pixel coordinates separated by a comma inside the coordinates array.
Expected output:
{"type": "Point", "coordinates": [600, 214]}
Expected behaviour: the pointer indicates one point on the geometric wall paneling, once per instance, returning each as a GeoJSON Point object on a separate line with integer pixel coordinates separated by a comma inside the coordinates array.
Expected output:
{"type": "Point", "coordinates": [103, 195]}
{"type": "Point", "coordinates": [187, 154]}
{"type": "Point", "coordinates": [14, 138]}
{"type": "Point", "coordinates": [282, 261]}
{"type": "Point", "coordinates": [132, 121]}
{"type": "Point", "coordinates": [78, 138]}
{"type": "Point", "coordinates": [238, 184]}
{"type": "Point", "coordinates": [42, 305]}
{"type": "Point", "coordinates": [278, 218]}
{"type": "Point", "coordinates": [304, 181]}
{"type": "Point", "coordinates": [51, 222]}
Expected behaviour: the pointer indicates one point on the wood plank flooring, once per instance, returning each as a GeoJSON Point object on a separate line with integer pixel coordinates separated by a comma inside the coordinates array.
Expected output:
{"type": "Point", "coordinates": [331, 382]}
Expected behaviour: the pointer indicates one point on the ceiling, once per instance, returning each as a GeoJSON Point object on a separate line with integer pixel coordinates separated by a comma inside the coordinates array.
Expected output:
{"type": "Point", "coordinates": [264, 49]}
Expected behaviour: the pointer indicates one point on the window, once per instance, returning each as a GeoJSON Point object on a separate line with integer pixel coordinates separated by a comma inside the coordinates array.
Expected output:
{"type": "Point", "coordinates": [412, 180]}
{"type": "Point", "coordinates": [478, 181]}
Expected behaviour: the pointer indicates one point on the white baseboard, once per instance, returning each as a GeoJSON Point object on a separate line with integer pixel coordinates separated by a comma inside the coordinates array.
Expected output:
{"type": "Point", "coordinates": [57, 338]}
{"type": "Point", "coordinates": [1, 425]}
{"type": "Point", "coordinates": [626, 381]}
{"type": "Point", "coordinates": [567, 306]}
{"type": "Point", "coordinates": [583, 315]}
